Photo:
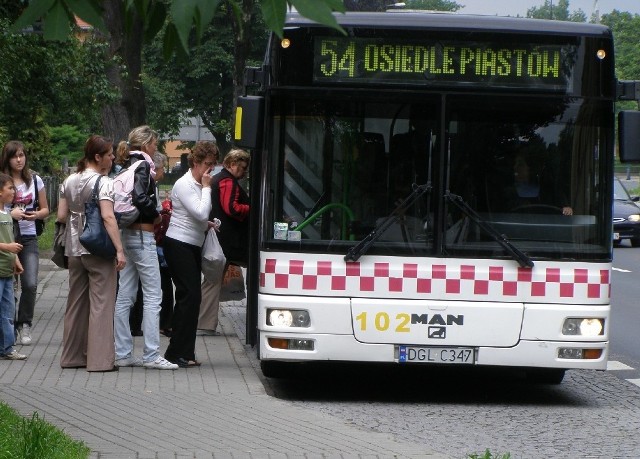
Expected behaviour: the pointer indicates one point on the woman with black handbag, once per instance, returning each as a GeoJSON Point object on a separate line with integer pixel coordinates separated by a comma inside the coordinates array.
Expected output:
{"type": "Point", "coordinates": [88, 339]}
{"type": "Point", "coordinates": [29, 209]}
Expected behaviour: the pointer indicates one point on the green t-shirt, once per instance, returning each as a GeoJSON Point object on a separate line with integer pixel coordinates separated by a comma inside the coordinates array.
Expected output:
{"type": "Point", "coordinates": [7, 259]}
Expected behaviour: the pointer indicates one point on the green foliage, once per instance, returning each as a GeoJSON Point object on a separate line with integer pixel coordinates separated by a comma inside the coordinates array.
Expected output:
{"type": "Point", "coordinates": [80, 84]}
{"type": "Point", "coordinates": [433, 5]}
{"type": "Point", "coordinates": [204, 85]}
{"type": "Point", "coordinates": [186, 14]}
{"type": "Point", "coordinates": [36, 139]}
{"type": "Point", "coordinates": [57, 16]}
{"type": "Point", "coordinates": [33, 438]}
{"type": "Point", "coordinates": [45, 240]}
{"type": "Point", "coordinates": [67, 141]}
{"type": "Point", "coordinates": [46, 83]}
{"type": "Point", "coordinates": [626, 34]}
{"type": "Point", "coordinates": [25, 75]}
{"type": "Point", "coordinates": [558, 11]}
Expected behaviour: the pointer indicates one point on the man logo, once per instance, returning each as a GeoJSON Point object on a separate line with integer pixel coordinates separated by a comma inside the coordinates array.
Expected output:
{"type": "Point", "coordinates": [437, 319]}
{"type": "Point", "coordinates": [437, 332]}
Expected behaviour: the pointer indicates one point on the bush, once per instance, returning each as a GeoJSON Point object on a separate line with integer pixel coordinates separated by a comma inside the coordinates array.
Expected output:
{"type": "Point", "coordinates": [66, 142]}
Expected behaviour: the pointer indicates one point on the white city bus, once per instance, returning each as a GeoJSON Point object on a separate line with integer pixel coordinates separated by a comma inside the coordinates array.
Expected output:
{"type": "Point", "coordinates": [432, 189]}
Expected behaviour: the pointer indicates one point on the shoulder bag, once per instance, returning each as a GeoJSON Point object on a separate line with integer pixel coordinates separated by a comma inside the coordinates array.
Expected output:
{"type": "Point", "coordinates": [58, 257]}
{"type": "Point", "coordinates": [94, 236]}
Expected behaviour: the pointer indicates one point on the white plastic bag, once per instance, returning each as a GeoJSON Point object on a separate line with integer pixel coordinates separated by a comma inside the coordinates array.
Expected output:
{"type": "Point", "coordinates": [213, 259]}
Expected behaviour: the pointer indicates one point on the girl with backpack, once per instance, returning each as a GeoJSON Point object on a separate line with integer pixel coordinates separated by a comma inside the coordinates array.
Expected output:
{"type": "Point", "coordinates": [140, 249]}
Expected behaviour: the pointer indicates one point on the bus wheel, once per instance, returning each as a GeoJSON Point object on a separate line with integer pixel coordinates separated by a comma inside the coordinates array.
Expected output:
{"type": "Point", "coordinates": [635, 242]}
{"type": "Point", "coordinates": [273, 369]}
{"type": "Point", "coordinates": [545, 375]}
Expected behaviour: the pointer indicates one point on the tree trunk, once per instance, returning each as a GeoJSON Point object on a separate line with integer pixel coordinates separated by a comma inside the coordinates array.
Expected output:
{"type": "Point", "coordinates": [125, 49]}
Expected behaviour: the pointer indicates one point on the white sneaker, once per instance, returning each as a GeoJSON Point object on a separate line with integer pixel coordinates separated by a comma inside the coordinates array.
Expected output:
{"type": "Point", "coordinates": [13, 355]}
{"type": "Point", "coordinates": [161, 364]}
{"type": "Point", "coordinates": [24, 334]}
{"type": "Point", "coordinates": [129, 362]}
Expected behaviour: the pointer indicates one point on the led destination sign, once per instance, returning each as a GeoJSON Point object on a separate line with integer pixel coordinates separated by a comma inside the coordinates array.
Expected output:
{"type": "Point", "coordinates": [384, 61]}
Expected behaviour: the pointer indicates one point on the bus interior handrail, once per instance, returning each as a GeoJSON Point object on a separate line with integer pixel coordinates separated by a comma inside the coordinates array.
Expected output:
{"type": "Point", "coordinates": [329, 206]}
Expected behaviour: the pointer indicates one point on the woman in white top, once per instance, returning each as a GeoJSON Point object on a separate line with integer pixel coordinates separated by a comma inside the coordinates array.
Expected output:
{"type": "Point", "coordinates": [88, 319]}
{"type": "Point", "coordinates": [29, 190]}
{"type": "Point", "coordinates": [191, 200]}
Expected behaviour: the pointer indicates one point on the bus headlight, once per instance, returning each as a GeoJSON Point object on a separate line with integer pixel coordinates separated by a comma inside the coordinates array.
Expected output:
{"type": "Point", "coordinates": [288, 318]}
{"type": "Point", "coordinates": [583, 327]}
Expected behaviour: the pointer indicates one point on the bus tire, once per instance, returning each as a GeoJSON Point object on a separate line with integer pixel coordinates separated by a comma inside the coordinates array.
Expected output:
{"type": "Point", "coordinates": [545, 375]}
{"type": "Point", "coordinates": [635, 242]}
{"type": "Point", "coordinates": [275, 369]}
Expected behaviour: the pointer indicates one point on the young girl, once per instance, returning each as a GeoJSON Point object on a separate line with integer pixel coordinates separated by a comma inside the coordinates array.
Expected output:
{"type": "Point", "coordinates": [9, 265]}
{"type": "Point", "coordinates": [27, 184]}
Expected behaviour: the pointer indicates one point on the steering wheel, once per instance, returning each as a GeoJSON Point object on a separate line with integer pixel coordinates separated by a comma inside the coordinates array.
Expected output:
{"type": "Point", "coordinates": [538, 209]}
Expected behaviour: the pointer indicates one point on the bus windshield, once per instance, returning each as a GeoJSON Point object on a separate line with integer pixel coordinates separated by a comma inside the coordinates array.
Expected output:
{"type": "Point", "coordinates": [528, 166]}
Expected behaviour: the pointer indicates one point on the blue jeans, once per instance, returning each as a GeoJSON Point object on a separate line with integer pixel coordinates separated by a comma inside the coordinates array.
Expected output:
{"type": "Point", "coordinates": [30, 259]}
{"type": "Point", "coordinates": [7, 311]}
{"type": "Point", "coordinates": [142, 263]}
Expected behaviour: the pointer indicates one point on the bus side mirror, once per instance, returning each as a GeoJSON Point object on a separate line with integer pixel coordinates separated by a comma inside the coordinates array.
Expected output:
{"type": "Point", "coordinates": [629, 136]}
{"type": "Point", "coordinates": [249, 122]}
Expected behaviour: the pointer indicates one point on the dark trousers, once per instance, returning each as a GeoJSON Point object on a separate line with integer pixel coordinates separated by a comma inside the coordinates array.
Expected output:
{"type": "Point", "coordinates": [135, 316]}
{"type": "Point", "coordinates": [184, 262]}
{"type": "Point", "coordinates": [166, 311]}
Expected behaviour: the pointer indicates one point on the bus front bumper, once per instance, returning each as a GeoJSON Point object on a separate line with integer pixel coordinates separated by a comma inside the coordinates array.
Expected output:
{"type": "Point", "coordinates": [526, 353]}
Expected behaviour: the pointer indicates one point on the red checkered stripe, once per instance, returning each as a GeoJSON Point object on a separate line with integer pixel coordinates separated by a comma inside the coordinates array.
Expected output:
{"type": "Point", "coordinates": [546, 282]}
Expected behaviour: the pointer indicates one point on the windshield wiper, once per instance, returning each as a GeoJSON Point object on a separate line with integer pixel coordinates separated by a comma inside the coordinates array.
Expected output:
{"type": "Point", "coordinates": [522, 259]}
{"type": "Point", "coordinates": [363, 246]}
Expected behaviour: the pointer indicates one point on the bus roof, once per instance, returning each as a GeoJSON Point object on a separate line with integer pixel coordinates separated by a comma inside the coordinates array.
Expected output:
{"type": "Point", "coordinates": [416, 19]}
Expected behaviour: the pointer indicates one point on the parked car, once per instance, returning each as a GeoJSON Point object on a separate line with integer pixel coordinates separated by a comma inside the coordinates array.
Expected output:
{"type": "Point", "coordinates": [626, 215]}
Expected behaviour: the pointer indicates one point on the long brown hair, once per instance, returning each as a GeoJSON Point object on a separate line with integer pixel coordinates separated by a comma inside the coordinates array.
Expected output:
{"type": "Point", "coordinates": [11, 149]}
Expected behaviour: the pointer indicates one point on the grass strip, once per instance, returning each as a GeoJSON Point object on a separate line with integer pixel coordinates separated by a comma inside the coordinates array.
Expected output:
{"type": "Point", "coordinates": [34, 438]}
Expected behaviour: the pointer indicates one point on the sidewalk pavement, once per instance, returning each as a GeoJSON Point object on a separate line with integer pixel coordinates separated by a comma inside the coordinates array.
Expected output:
{"type": "Point", "coordinates": [218, 410]}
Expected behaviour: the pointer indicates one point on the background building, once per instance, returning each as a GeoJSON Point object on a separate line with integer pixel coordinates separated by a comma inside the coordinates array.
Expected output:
{"type": "Point", "coordinates": [193, 131]}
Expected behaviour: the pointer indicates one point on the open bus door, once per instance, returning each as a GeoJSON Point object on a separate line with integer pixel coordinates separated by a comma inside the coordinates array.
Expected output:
{"type": "Point", "coordinates": [629, 136]}
{"type": "Point", "coordinates": [629, 123]}
{"type": "Point", "coordinates": [249, 123]}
